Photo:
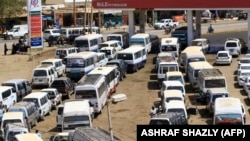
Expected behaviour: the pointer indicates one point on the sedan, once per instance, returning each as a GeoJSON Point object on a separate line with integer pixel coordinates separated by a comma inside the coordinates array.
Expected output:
{"type": "Point", "coordinates": [242, 77]}
{"type": "Point", "coordinates": [223, 57]}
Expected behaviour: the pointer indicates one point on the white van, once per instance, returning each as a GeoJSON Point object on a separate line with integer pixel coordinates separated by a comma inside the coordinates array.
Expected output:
{"type": "Point", "coordinates": [112, 43]}
{"type": "Point", "coordinates": [170, 45]}
{"type": "Point", "coordinates": [28, 137]}
{"type": "Point", "coordinates": [42, 103]}
{"type": "Point", "coordinates": [7, 96]}
{"type": "Point", "coordinates": [109, 51]}
{"type": "Point", "coordinates": [177, 106]}
{"type": "Point", "coordinates": [135, 56]}
{"type": "Point", "coordinates": [12, 117]}
{"type": "Point", "coordinates": [13, 129]}
{"type": "Point", "coordinates": [102, 59]}
{"type": "Point", "coordinates": [233, 45]}
{"type": "Point", "coordinates": [43, 75]}
{"type": "Point", "coordinates": [22, 87]}
{"type": "Point", "coordinates": [193, 57]}
{"type": "Point", "coordinates": [169, 95]}
{"type": "Point", "coordinates": [163, 68]}
{"type": "Point", "coordinates": [173, 85]}
{"type": "Point", "coordinates": [62, 52]}
{"type": "Point", "coordinates": [30, 111]}
{"type": "Point", "coordinates": [76, 113]}
{"type": "Point", "coordinates": [188, 49]}
{"type": "Point", "coordinates": [175, 75]}
{"type": "Point", "coordinates": [57, 64]}
{"type": "Point", "coordinates": [88, 42]}
{"type": "Point", "coordinates": [229, 110]}
{"type": "Point", "coordinates": [193, 71]}
{"type": "Point", "coordinates": [142, 39]}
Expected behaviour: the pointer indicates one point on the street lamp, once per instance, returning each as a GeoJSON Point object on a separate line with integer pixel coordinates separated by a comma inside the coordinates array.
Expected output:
{"type": "Point", "coordinates": [116, 98]}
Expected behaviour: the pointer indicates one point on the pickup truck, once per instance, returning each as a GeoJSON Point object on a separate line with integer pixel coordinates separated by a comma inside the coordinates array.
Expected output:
{"type": "Point", "coordinates": [164, 22]}
{"type": "Point", "coordinates": [54, 96]}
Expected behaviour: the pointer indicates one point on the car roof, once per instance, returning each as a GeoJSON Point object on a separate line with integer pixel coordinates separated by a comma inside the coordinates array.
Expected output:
{"type": "Point", "coordinates": [172, 83]}
{"type": "Point", "coordinates": [15, 80]}
{"type": "Point", "coordinates": [223, 51]}
{"type": "Point", "coordinates": [200, 39]}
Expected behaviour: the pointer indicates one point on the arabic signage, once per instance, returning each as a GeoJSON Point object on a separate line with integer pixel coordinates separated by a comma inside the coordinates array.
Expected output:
{"type": "Point", "coordinates": [35, 23]}
{"type": "Point", "coordinates": [171, 4]}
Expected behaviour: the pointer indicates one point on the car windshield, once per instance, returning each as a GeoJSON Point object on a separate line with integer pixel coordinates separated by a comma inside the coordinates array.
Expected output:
{"type": "Point", "coordinates": [34, 100]}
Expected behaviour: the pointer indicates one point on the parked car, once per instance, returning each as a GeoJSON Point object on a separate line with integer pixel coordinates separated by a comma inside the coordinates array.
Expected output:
{"type": "Point", "coordinates": [64, 85]}
{"type": "Point", "coordinates": [54, 96]}
{"type": "Point", "coordinates": [223, 57]}
{"type": "Point", "coordinates": [121, 65]}
{"type": "Point", "coordinates": [246, 87]}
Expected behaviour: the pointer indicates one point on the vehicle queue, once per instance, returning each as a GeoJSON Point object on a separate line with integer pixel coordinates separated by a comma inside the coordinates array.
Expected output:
{"type": "Point", "coordinates": [80, 62]}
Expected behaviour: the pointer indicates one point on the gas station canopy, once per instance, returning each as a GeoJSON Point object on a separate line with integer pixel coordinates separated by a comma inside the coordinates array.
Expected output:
{"type": "Point", "coordinates": [171, 4]}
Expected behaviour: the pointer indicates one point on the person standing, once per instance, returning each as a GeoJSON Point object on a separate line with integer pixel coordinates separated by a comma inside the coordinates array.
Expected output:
{"type": "Point", "coordinates": [38, 134]}
{"type": "Point", "coordinates": [5, 49]}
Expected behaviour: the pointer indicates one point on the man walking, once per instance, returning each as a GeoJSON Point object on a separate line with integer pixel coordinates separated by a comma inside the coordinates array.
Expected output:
{"type": "Point", "coordinates": [5, 49]}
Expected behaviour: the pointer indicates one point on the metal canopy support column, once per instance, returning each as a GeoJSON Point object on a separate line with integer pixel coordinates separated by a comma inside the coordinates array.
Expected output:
{"type": "Point", "coordinates": [131, 24]}
{"type": "Point", "coordinates": [198, 22]}
{"type": "Point", "coordinates": [190, 26]}
{"type": "Point", "coordinates": [248, 31]}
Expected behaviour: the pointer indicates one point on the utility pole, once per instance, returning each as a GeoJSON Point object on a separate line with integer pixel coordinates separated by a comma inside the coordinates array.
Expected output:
{"type": "Point", "coordinates": [85, 17]}
{"type": "Point", "coordinates": [91, 19]}
{"type": "Point", "coordinates": [74, 12]}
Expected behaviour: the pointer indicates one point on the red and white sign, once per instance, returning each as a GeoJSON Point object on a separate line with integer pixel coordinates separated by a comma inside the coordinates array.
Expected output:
{"type": "Point", "coordinates": [171, 4]}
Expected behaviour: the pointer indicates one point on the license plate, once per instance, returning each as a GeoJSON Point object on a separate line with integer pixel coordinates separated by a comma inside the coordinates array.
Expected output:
{"type": "Point", "coordinates": [231, 50]}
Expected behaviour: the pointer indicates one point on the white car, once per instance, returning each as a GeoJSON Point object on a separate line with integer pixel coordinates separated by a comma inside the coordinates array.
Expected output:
{"type": "Point", "coordinates": [243, 67]}
{"type": "Point", "coordinates": [246, 87]}
{"type": "Point", "coordinates": [243, 60]}
{"type": "Point", "coordinates": [223, 57]}
{"type": "Point", "coordinates": [247, 55]}
{"type": "Point", "coordinates": [242, 76]}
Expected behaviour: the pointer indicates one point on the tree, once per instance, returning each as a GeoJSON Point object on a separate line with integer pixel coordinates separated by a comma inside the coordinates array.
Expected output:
{"type": "Point", "coordinates": [10, 9]}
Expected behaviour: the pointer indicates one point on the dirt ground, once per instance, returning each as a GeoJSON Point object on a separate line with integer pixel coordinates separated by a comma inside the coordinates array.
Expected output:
{"type": "Point", "coordinates": [141, 89]}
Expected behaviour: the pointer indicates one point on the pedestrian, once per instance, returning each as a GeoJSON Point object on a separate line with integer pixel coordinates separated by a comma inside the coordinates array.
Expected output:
{"type": "Point", "coordinates": [38, 134]}
{"type": "Point", "coordinates": [152, 111]}
{"type": "Point", "coordinates": [5, 49]}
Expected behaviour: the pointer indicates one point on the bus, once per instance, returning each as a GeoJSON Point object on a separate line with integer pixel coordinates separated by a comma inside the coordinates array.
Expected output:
{"type": "Point", "coordinates": [142, 39]}
{"type": "Point", "coordinates": [79, 64]}
{"type": "Point", "coordinates": [89, 42]}
{"type": "Point", "coordinates": [93, 87]}
{"type": "Point", "coordinates": [111, 74]}
{"type": "Point", "coordinates": [135, 56]}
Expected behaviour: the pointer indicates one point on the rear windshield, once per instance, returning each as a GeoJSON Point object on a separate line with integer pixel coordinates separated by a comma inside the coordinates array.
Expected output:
{"type": "Point", "coordinates": [60, 111]}
{"type": "Point", "coordinates": [231, 44]}
{"type": "Point", "coordinates": [40, 73]}
{"type": "Point", "coordinates": [11, 85]}
{"type": "Point", "coordinates": [59, 83]}
{"type": "Point", "coordinates": [125, 56]}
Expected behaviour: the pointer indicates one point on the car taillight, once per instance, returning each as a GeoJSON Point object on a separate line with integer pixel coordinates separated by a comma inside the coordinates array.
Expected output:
{"type": "Point", "coordinates": [96, 104]}
{"type": "Point", "coordinates": [217, 57]}
{"type": "Point", "coordinates": [248, 86]}
{"type": "Point", "coordinates": [65, 89]}
{"type": "Point", "coordinates": [17, 93]}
